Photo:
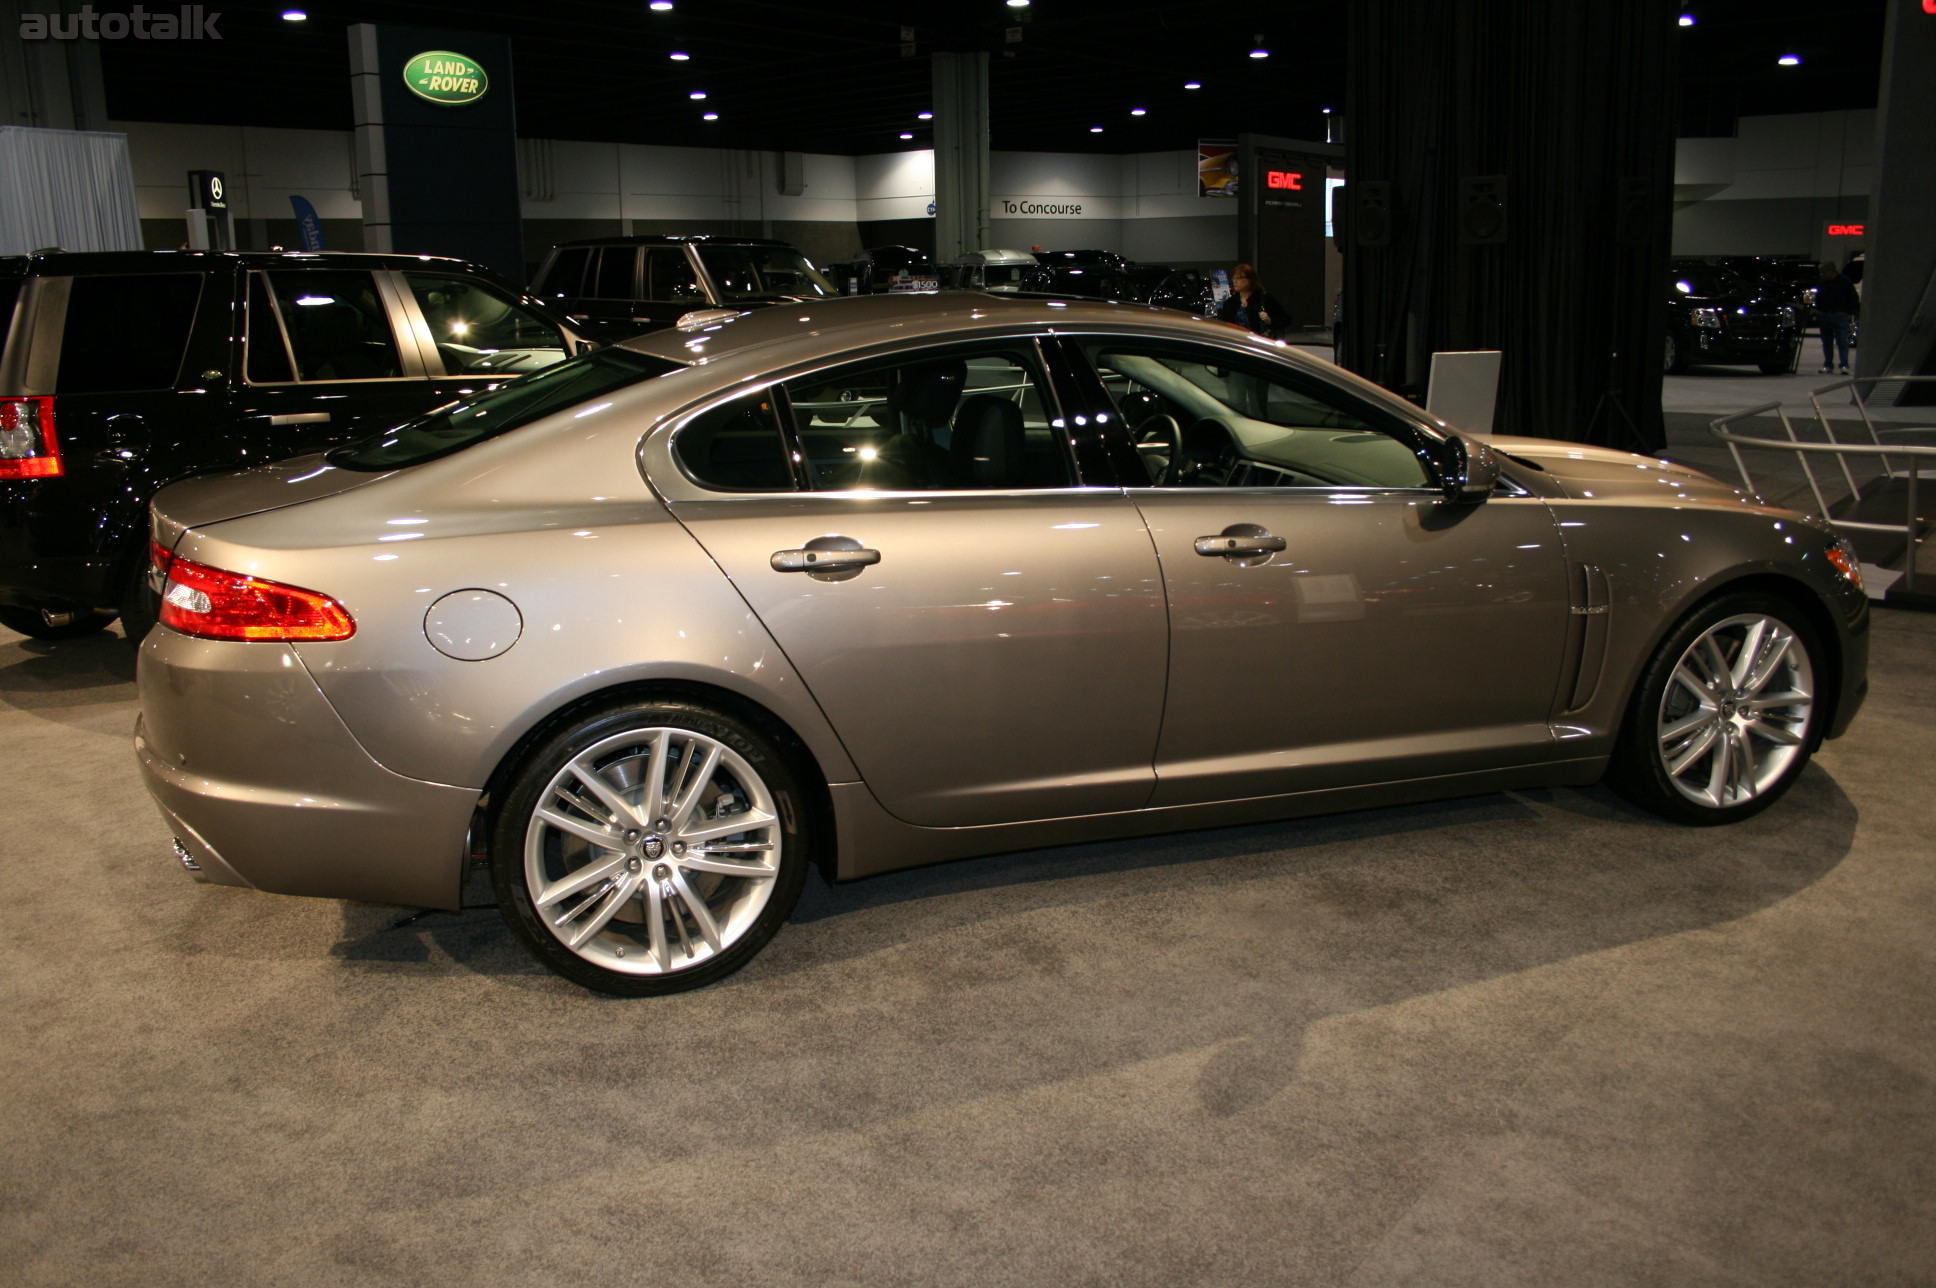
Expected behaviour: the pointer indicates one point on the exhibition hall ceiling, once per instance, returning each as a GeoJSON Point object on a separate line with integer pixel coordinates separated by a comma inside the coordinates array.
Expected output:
{"type": "Point", "coordinates": [1065, 75]}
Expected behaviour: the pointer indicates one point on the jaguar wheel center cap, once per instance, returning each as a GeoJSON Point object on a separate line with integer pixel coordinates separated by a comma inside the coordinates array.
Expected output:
{"type": "Point", "coordinates": [652, 847]}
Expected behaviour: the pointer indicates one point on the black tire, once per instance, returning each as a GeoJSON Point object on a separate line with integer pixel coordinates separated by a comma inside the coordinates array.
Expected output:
{"type": "Point", "coordinates": [1673, 362]}
{"type": "Point", "coordinates": [1707, 740]}
{"type": "Point", "coordinates": [656, 914]}
{"type": "Point", "coordinates": [54, 624]}
{"type": "Point", "coordinates": [1784, 366]}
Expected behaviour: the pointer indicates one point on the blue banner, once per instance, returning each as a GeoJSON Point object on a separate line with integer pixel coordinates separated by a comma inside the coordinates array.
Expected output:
{"type": "Point", "coordinates": [306, 220]}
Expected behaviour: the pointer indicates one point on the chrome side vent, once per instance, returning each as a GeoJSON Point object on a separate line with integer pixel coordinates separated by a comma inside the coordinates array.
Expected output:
{"type": "Point", "coordinates": [187, 859]}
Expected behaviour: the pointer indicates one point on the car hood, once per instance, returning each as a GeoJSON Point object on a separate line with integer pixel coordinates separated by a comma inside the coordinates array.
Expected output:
{"type": "Point", "coordinates": [211, 498]}
{"type": "Point", "coordinates": [1601, 473]}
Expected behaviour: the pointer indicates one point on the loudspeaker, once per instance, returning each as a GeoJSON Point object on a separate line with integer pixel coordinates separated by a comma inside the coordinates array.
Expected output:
{"type": "Point", "coordinates": [1633, 217]}
{"type": "Point", "coordinates": [1372, 216]}
{"type": "Point", "coordinates": [1482, 210]}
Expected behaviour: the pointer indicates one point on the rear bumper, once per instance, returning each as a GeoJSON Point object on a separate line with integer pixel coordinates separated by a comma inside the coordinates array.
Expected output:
{"type": "Point", "coordinates": [264, 787]}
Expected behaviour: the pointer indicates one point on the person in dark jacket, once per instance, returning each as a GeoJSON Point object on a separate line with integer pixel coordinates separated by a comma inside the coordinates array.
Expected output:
{"type": "Point", "coordinates": [1835, 307]}
{"type": "Point", "coordinates": [1250, 305]}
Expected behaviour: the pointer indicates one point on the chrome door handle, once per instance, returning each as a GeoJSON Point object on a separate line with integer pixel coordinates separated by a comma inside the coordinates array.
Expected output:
{"type": "Point", "coordinates": [823, 560]}
{"type": "Point", "coordinates": [300, 418]}
{"type": "Point", "coordinates": [1231, 544]}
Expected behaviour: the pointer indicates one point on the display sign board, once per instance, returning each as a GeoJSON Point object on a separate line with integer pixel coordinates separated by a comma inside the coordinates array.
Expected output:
{"type": "Point", "coordinates": [440, 76]}
{"type": "Point", "coordinates": [208, 190]}
{"type": "Point", "coordinates": [1845, 230]}
{"type": "Point", "coordinates": [1283, 231]}
{"type": "Point", "coordinates": [1216, 168]}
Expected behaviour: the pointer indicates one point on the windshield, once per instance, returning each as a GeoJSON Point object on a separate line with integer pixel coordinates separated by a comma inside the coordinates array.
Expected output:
{"type": "Point", "coordinates": [500, 408]}
{"type": "Point", "coordinates": [763, 273]}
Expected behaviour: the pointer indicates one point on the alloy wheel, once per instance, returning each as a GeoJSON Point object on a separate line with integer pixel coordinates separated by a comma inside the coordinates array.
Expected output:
{"type": "Point", "coordinates": [1736, 712]}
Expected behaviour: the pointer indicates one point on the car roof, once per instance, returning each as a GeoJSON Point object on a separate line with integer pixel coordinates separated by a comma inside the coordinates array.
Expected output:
{"type": "Point", "coordinates": [671, 239]}
{"type": "Point", "coordinates": [750, 344]}
{"type": "Point", "coordinates": [62, 263]}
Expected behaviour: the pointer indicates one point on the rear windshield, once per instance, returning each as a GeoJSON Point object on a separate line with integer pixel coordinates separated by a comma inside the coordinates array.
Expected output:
{"type": "Point", "coordinates": [455, 426]}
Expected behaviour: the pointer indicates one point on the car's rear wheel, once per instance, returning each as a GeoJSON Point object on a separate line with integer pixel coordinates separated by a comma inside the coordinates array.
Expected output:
{"type": "Point", "coordinates": [1673, 362]}
{"type": "Point", "coordinates": [1724, 719]}
{"type": "Point", "coordinates": [54, 623]}
{"type": "Point", "coordinates": [650, 847]}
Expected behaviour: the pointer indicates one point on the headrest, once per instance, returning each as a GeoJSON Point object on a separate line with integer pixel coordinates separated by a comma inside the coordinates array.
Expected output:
{"type": "Point", "coordinates": [989, 445]}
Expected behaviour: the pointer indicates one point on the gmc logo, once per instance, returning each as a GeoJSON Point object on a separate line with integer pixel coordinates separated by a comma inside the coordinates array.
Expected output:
{"type": "Point", "coordinates": [1849, 230]}
{"type": "Point", "coordinates": [1295, 179]}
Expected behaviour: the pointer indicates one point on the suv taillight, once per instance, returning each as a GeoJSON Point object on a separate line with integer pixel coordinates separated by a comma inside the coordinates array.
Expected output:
{"type": "Point", "coordinates": [216, 605]}
{"type": "Point", "coordinates": [27, 446]}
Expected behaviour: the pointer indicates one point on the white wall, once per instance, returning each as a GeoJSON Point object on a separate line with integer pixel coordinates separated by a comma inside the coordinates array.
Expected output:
{"type": "Point", "coordinates": [1776, 186]}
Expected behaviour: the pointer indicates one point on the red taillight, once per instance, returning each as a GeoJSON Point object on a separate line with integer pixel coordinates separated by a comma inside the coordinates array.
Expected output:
{"type": "Point", "coordinates": [217, 605]}
{"type": "Point", "coordinates": [159, 556]}
{"type": "Point", "coordinates": [27, 446]}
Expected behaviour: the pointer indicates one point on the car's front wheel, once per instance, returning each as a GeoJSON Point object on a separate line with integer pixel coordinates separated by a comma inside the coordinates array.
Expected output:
{"type": "Point", "coordinates": [1725, 716]}
{"type": "Point", "coordinates": [1672, 360]}
{"type": "Point", "coordinates": [53, 623]}
{"type": "Point", "coordinates": [650, 847]}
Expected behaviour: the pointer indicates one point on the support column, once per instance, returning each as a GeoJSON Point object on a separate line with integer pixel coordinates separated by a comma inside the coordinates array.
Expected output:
{"type": "Point", "coordinates": [960, 154]}
{"type": "Point", "coordinates": [1899, 272]}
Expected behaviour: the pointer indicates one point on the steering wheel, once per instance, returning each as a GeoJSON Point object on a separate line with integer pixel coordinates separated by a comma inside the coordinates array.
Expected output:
{"type": "Point", "coordinates": [1159, 442]}
{"type": "Point", "coordinates": [1204, 456]}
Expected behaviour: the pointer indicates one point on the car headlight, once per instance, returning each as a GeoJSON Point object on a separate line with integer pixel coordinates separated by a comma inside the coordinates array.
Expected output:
{"type": "Point", "coordinates": [1791, 314]}
{"type": "Point", "coordinates": [1808, 296]}
{"type": "Point", "coordinates": [1710, 318]}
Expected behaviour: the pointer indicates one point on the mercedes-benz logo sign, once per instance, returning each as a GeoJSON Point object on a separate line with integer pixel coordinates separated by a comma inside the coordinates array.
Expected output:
{"type": "Point", "coordinates": [215, 187]}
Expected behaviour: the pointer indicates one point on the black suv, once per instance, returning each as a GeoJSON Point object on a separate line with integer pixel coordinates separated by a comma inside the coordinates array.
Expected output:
{"type": "Point", "coordinates": [122, 371]}
{"type": "Point", "coordinates": [1714, 316]}
{"type": "Point", "coordinates": [614, 287]}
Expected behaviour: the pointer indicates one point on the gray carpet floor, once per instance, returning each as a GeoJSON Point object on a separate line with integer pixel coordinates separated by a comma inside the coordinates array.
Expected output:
{"type": "Point", "coordinates": [1530, 1038]}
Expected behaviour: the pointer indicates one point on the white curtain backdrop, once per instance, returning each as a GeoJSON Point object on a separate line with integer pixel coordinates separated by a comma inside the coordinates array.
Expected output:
{"type": "Point", "coordinates": [68, 188]}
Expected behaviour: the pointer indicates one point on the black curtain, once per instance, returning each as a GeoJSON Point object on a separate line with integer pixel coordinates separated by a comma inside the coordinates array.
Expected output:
{"type": "Point", "coordinates": [1509, 186]}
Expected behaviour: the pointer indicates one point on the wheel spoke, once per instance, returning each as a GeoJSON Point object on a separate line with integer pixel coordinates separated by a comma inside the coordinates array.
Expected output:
{"type": "Point", "coordinates": [1720, 769]}
{"type": "Point", "coordinates": [1763, 673]}
{"type": "Point", "coordinates": [699, 862]}
{"type": "Point", "coordinates": [1691, 721]}
{"type": "Point", "coordinates": [606, 837]}
{"type": "Point", "coordinates": [1750, 654]}
{"type": "Point", "coordinates": [1718, 670]}
{"type": "Point", "coordinates": [1702, 743]}
{"type": "Point", "coordinates": [1696, 684]}
{"type": "Point", "coordinates": [589, 875]}
{"type": "Point", "coordinates": [594, 782]}
{"type": "Point", "coordinates": [702, 916]}
{"type": "Point", "coordinates": [1742, 783]}
{"type": "Point", "coordinates": [691, 785]}
{"type": "Point", "coordinates": [606, 908]}
{"type": "Point", "coordinates": [1780, 734]}
{"type": "Point", "coordinates": [751, 820]}
{"type": "Point", "coordinates": [650, 808]}
{"type": "Point", "coordinates": [655, 915]}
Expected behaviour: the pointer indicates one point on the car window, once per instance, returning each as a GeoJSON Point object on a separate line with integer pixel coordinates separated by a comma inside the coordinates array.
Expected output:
{"type": "Point", "coordinates": [126, 331]}
{"type": "Point", "coordinates": [501, 408]}
{"type": "Point", "coordinates": [481, 329]}
{"type": "Point", "coordinates": [669, 277]}
{"type": "Point", "coordinates": [265, 347]}
{"type": "Point", "coordinates": [737, 447]}
{"type": "Point", "coordinates": [1204, 418]}
{"type": "Point", "coordinates": [966, 418]}
{"type": "Point", "coordinates": [763, 272]}
{"type": "Point", "coordinates": [565, 277]}
{"type": "Point", "coordinates": [617, 277]}
{"type": "Point", "coordinates": [337, 325]}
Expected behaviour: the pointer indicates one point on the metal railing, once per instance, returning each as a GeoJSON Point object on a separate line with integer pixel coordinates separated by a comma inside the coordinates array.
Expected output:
{"type": "Point", "coordinates": [1885, 454]}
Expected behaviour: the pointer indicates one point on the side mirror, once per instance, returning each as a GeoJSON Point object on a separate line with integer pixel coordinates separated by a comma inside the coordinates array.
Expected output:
{"type": "Point", "coordinates": [1471, 469]}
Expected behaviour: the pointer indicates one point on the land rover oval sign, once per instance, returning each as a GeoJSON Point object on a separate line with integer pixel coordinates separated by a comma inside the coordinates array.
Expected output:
{"type": "Point", "coordinates": [443, 77]}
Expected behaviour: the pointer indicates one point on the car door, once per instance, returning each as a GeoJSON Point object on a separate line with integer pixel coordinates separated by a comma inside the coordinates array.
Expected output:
{"type": "Point", "coordinates": [1334, 619]}
{"type": "Point", "coordinates": [986, 635]}
{"type": "Point", "coordinates": [326, 358]}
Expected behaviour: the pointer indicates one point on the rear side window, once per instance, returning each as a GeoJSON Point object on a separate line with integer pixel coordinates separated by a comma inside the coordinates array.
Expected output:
{"type": "Point", "coordinates": [566, 276]}
{"type": "Point", "coordinates": [669, 277]}
{"type": "Point", "coordinates": [337, 325]}
{"type": "Point", "coordinates": [126, 332]}
{"type": "Point", "coordinates": [616, 273]}
{"type": "Point", "coordinates": [455, 426]}
{"type": "Point", "coordinates": [737, 447]}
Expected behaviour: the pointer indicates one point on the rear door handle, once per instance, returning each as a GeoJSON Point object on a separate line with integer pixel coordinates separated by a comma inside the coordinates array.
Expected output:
{"type": "Point", "coordinates": [823, 560]}
{"type": "Point", "coordinates": [1233, 544]}
{"type": "Point", "coordinates": [300, 418]}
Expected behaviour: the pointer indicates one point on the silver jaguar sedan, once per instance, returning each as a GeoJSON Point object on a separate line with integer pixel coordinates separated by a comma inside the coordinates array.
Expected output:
{"type": "Point", "coordinates": [870, 583]}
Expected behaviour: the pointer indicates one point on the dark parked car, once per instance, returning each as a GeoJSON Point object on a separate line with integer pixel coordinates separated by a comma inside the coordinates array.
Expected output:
{"type": "Point", "coordinates": [614, 287]}
{"type": "Point", "coordinates": [125, 371]}
{"type": "Point", "coordinates": [884, 581]}
{"type": "Point", "coordinates": [884, 268]}
{"type": "Point", "coordinates": [1714, 316]}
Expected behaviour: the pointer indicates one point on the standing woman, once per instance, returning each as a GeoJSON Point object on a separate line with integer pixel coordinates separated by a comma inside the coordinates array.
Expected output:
{"type": "Point", "coordinates": [1249, 305]}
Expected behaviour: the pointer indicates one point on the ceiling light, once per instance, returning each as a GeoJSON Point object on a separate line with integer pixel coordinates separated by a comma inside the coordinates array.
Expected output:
{"type": "Point", "coordinates": [1095, 129]}
{"type": "Point", "coordinates": [697, 94]}
{"type": "Point", "coordinates": [294, 15]}
{"type": "Point", "coordinates": [679, 58]}
{"type": "Point", "coordinates": [1686, 20]}
{"type": "Point", "coordinates": [924, 116]}
{"type": "Point", "coordinates": [1260, 52]}
{"type": "Point", "coordinates": [1018, 4]}
{"type": "Point", "coordinates": [710, 116]}
{"type": "Point", "coordinates": [660, 6]}
{"type": "Point", "coordinates": [1790, 59]}
{"type": "Point", "coordinates": [1137, 111]}
{"type": "Point", "coordinates": [1192, 84]}
{"type": "Point", "coordinates": [906, 135]}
